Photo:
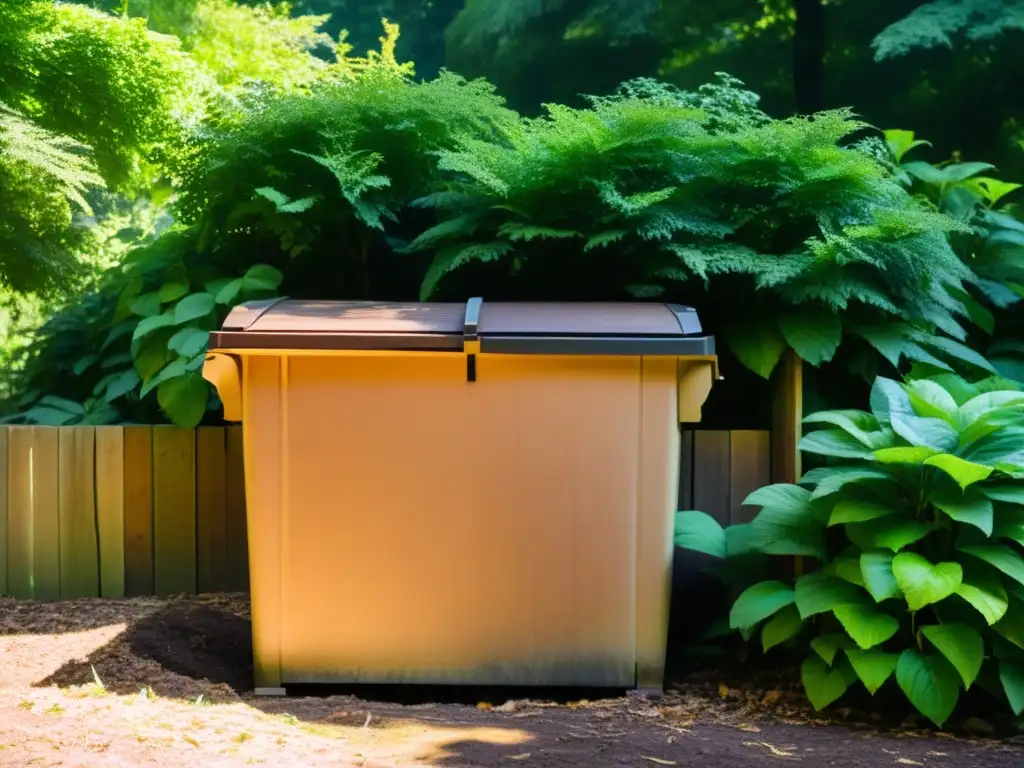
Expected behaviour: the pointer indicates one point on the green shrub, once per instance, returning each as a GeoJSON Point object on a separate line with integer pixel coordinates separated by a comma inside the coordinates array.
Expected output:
{"type": "Point", "coordinates": [779, 233]}
{"type": "Point", "coordinates": [992, 243]}
{"type": "Point", "coordinates": [917, 523]}
{"type": "Point", "coordinates": [133, 350]}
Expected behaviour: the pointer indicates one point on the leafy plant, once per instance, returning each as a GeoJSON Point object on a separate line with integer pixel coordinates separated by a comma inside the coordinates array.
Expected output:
{"type": "Point", "coordinates": [917, 524]}
{"type": "Point", "coordinates": [704, 199]}
{"type": "Point", "coordinates": [991, 243]}
{"type": "Point", "coordinates": [316, 184]}
{"type": "Point", "coordinates": [134, 349]}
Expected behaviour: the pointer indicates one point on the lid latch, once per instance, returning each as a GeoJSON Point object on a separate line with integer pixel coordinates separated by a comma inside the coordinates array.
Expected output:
{"type": "Point", "coordinates": [471, 336]}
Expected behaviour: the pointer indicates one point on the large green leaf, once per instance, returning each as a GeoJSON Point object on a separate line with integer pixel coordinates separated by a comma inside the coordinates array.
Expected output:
{"type": "Point", "coordinates": [759, 346]}
{"type": "Point", "coordinates": [835, 443]}
{"type": "Point", "coordinates": [1011, 675]}
{"type": "Point", "coordinates": [985, 592]}
{"type": "Point", "coordinates": [962, 646]}
{"type": "Point", "coordinates": [262, 277]}
{"type": "Point", "coordinates": [699, 532]}
{"type": "Point", "coordinates": [813, 333]}
{"type": "Point", "coordinates": [848, 569]}
{"type": "Point", "coordinates": [925, 432]}
{"type": "Point", "coordinates": [783, 626]}
{"type": "Point", "coordinates": [1011, 626]}
{"type": "Point", "coordinates": [780, 495]}
{"type": "Point", "coordinates": [957, 351]}
{"type": "Point", "coordinates": [823, 684]}
{"type": "Point", "coordinates": [893, 533]}
{"type": "Point", "coordinates": [193, 307]}
{"type": "Point", "coordinates": [930, 683]}
{"type": "Point", "coordinates": [184, 399]}
{"type": "Point", "coordinates": [873, 667]}
{"type": "Point", "coordinates": [866, 624]}
{"type": "Point", "coordinates": [1002, 558]}
{"type": "Point", "coordinates": [820, 593]}
{"type": "Point", "coordinates": [904, 455]}
{"type": "Point", "coordinates": [856, 511]}
{"type": "Point", "coordinates": [858, 424]}
{"type": "Point", "coordinates": [739, 540]}
{"type": "Point", "coordinates": [977, 407]}
{"type": "Point", "coordinates": [189, 342]}
{"type": "Point", "coordinates": [1011, 493]}
{"type": "Point", "coordinates": [1009, 524]}
{"type": "Point", "coordinates": [923, 583]}
{"type": "Point", "coordinates": [759, 602]}
{"type": "Point", "coordinates": [147, 325]}
{"type": "Point", "coordinates": [966, 473]}
{"type": "Point", "coordinates": [970, 508]}
{"type": "Point", "coordinates": [830, 644]}
{"type": "Point", "coordinates": [787, 531]}
{"type": "Point", "coordinates": [146, 305]}
{"type": "Point", "coordinates": [1005, 445]}
{"type": "Point", "coordinates": [876, 568]}
{"type": "Point", "coordinates": [172, 370]}
{"type": "Point", "coordinates": [833, 479]}
{"type": "Point", "coordinates": [889, 399]}
{"type": "Point", "coordinates": [928, 398]}
{"type": "Point", "coordinates": [172, 290]}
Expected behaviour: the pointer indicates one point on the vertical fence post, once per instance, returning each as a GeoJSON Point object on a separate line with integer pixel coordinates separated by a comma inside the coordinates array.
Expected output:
{"type": "Point", "coordinates": [787, 419]}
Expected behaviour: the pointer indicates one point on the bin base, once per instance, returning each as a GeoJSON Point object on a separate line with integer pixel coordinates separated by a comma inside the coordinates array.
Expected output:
{"type": "Point", "coordinates": [270, 692]}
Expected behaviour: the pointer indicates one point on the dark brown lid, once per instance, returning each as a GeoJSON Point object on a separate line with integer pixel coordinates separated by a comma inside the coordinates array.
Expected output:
{"type": "Point", "coordinates": [513, 328]}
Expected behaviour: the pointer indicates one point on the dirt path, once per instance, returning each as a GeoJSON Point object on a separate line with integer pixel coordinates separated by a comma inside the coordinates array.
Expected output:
{"type": "Point", "coordinates": [166, 693]}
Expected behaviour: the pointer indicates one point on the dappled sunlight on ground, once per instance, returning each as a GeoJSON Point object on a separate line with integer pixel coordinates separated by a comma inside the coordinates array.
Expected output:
{"type": "Point", "coordinates": [166, 683]}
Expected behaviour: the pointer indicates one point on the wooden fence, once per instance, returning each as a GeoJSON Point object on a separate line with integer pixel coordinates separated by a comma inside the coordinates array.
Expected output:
{"type": "Point", "coordinates": [129, 511]}
{"type": "Point", "coordinates": [114, 511]}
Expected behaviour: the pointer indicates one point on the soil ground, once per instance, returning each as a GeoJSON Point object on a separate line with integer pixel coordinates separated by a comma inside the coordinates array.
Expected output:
{"type": "Point", "coordinates": [150, 682]}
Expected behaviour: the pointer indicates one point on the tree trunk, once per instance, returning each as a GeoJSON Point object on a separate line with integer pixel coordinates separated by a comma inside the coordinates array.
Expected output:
{"type": "Point", "coordinates": [809, 56]}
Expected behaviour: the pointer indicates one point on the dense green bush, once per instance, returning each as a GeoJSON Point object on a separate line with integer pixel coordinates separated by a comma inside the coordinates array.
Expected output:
{"type": "Point", "coordinates": [992, 244]}
{"type": "Point", "coordinates": [917, 522]}
{"type": "Point", "coordinates": [779, 233]}
{"type": "Point", "coordinates": [313, 188]}
{"type": "Point", "coordinates": [145, 330]}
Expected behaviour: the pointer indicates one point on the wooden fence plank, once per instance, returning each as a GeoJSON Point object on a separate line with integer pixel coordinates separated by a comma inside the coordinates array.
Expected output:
{"type": "Point", "coordinates": [45, 514]}
{"type": "Point", "coordinates": [138, 511]}
{"type": "Point", "coordinates": [110, 509]}
{"type": "Point", "coordinates": [711, 474]}
{"type": "Point", "coordinates": [750, 468]}
{"type": "Point", "coordinates": [787, 418]}
{"type": "Point", "coordinates": [19, 513]}
{"type": "Point", "coordinates": [79, 559]}
{"type": "Point", "coordinates": [174, 510]}
{"type": "Point", "coordinates": [211, 508]}
{"type": "Point", "coordinates": [3, 510]}
{"type": "Point", "coordinates": [237, 538]}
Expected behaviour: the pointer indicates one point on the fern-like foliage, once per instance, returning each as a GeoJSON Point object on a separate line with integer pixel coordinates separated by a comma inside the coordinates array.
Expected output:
{"type": "Point", "coordinates": [44, 180]}
{"type": "Point", "coordinates": [704, 198]}
{"type": "Point", "coordinates": [940, 23]}
{"type": "Point", "coordinates": [324, 177]}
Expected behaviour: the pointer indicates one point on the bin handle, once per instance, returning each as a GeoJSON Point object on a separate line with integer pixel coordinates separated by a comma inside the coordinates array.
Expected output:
{"type": "Point", "coordinates": [471, 335]}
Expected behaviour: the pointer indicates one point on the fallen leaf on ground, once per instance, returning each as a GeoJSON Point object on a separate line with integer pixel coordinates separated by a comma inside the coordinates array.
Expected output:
{"type": "Point", "coordinates": [771, 698]}
{"type": "Point", "coordinates": [523, 756]}
{"type": "Point", "coordinates": [907, 761]}
{"type": "Point", "coordinates": [723, 690]}
{"type": "Point", "coordinates": [770, 747]}
{"type": "Point", "coordinates": [657, 760]}
{"type": "Point", "coordinates": [485, 706]}
{"type": "Point", "coordinates": [747, 727]}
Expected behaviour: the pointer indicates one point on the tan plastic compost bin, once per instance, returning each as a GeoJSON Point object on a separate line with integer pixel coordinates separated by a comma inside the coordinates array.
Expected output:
{"type": "Point", "coordinates": [471, 493]}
